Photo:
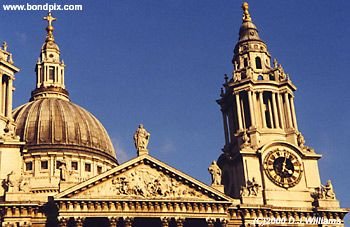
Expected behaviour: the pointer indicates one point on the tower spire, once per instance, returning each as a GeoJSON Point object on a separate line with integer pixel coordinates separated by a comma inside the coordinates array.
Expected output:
{"type": "Point", "coordinates": [260, 128]}
{"type": "Point", "coordinates": [50, 67]}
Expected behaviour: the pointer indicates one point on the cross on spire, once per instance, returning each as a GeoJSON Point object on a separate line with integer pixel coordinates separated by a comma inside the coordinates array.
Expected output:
{"type": "Point", "coordinates": [49, 18]}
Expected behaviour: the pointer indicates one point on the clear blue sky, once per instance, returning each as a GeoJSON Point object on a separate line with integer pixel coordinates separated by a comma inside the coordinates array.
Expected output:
{"type": "Point", "coordinates": [162, 63]}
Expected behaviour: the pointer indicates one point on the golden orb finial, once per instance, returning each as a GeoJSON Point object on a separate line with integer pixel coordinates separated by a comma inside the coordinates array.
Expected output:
{"type": "Point", "coordinates": [49, 18]}
{"type": "Point", "coordinates": [246, 15]}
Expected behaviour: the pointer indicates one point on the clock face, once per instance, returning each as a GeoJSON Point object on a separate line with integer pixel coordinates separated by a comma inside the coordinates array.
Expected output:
{"type": "Point", "coordinates": [283, 168]}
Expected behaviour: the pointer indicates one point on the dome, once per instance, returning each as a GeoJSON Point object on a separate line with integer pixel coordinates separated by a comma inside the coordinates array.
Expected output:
{"type": "Point", "coordinates": [54, 124]}
{"type": "Point", "coordinates": [248, 30]}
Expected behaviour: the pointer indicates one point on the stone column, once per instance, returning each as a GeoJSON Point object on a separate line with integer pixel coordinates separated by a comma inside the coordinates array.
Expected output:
{"type": "Point", "coordinates": [128, 222]}
{"type": "Point", "coordinates": [289, 115]}
{"type": "Point", "coordinates": [9, 98]}
{"type": "Point", "coordinates": [165, 221]}
{"type": "Point", "coordinates": [239, 112]}
{"type": "Point", "coordinates": [1, 94]}
{"type": "Point", "coordinates": [251, 108]}
{"type": "Point", "coordinates": [280, 108]}
{"type": "Point", "coordinates": [275, 113]}
{"type": "Point", "coordinates": [269, 106]}
{"type": "Point", "coordinates": [56, 76]}
{"type": "Point", "coordinates": [224, 117]}
{"type": "Point", "coordinates": [180, 222]}
{"type": "Point", "coordinates": [293, 113]}
{"type": "Point", "coordinates": [62, 77]}
{"type": "Point", "coordinates": [261, 100]}
{"type": "Point", "coordinates": [38, 76]}
{"type": "Point", "coordinates": [45, 76]}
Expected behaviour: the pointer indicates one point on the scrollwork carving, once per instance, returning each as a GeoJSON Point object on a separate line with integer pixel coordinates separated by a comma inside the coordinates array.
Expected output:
{"type": "Point", "coordinates": [324, 191]}
{"type": "Point", "coordinates": [143, 182]}
{"type": "Point", "coordinates": [301, 143]}
{"type": "Point", "coordinates": [251, 188]}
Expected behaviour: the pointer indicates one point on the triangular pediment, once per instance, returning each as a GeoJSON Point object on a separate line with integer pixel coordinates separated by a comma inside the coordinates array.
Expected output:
{"type": "Point", "coordinates": [143, 178]}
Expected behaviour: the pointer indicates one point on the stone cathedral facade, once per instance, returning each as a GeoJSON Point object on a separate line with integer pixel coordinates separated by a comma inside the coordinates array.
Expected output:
{"type": "Point", "coordinates": [58, 166]}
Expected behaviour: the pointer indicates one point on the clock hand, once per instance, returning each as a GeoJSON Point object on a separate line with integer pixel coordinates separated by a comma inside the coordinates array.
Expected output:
{"type": "Point", "coordinates": [284, 164]}
{"type": "Point", "coordinates": [284, 167]}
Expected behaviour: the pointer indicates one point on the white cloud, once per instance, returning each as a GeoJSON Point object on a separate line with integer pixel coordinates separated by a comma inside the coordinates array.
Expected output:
{"type": "Point", "coordinates": [168, 146]}
{"type": "Point", "coordinates": [122, 154]}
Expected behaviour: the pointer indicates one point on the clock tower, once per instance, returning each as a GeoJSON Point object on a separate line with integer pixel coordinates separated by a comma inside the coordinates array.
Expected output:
{"type": "Point", "coordinates": [265, 160]}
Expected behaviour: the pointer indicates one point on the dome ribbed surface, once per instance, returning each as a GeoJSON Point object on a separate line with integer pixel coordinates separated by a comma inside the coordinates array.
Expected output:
{"type": "Point", "coordinates": [61, 125]}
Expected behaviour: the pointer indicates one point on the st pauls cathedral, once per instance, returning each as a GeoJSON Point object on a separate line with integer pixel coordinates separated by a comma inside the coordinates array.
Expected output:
{"type": "Point", "coordinates": [58, 166]}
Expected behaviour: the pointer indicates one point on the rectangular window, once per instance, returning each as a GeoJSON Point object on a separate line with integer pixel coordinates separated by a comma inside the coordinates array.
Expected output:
{"type": "Point", "coordinates": [44, 164]}
{"type": "Point", "coordinates": [87, 167]}
{"type": "Point", "coordinates": [74, 165]}
{"type": "Point", "coordinates": [99, 169]}
{"type": "Point", "coordinates": [29, 166]}
{"type": "Point", "coordinates": [51, 73]}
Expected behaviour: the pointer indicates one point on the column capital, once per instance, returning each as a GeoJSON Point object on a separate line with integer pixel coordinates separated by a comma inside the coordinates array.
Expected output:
{"type": "Point", "coordinates": [128, 221]}
{"type": "Point", "coordinates": [165, 221]}
{"type": "Point", "coordinates": [179, 222]}
{"type": "Point", "coordinates": [113, 221]}
{"type": "Point", "coordinates": [223, 222]}
{"type": "Point", "coordinates": [210, 222]}
{"type": "Point", "coordinates": [79, 221]}
{"type": "Point", "coordinates": [62, 222]}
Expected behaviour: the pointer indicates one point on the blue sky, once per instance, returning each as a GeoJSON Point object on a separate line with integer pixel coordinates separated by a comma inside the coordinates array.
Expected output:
{"type": "Point", "coordinates": [162, 63]}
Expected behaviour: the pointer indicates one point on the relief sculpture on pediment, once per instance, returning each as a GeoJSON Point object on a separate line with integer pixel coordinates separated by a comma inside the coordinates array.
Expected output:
{"type": "Point", "coordinates": [144, 182]}
{"type": "Point", "coordinates": [149, 184]}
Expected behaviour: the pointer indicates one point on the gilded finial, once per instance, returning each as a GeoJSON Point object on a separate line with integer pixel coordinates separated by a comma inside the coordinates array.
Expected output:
{"type": "Point", "coordinates": [49, 18]}
{"type": "Point", "coordinates": [246, 14]}
{"type": "Point", "coordinates": [4, 46]}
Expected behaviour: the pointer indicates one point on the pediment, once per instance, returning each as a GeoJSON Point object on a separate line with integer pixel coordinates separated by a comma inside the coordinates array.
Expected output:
{"type": "Point", "coordinates": [143, 178]}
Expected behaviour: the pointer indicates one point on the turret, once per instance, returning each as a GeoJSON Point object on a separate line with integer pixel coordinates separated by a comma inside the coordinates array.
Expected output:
{"type": "Point", "coordinates": [50, 68]}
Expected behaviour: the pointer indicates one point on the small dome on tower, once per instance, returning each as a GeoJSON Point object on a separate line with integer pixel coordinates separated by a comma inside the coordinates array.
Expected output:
{"type": "Point", "coordinates": [248, 30]}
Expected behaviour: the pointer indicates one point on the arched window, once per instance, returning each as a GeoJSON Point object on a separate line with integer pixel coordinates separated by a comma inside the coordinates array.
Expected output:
{"type": "Point", "coordinates": [260, 77]}
{"type": "Point", "coordinates": [272, 77]}
{"type": "Point", "coordinates": [258, 63]}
